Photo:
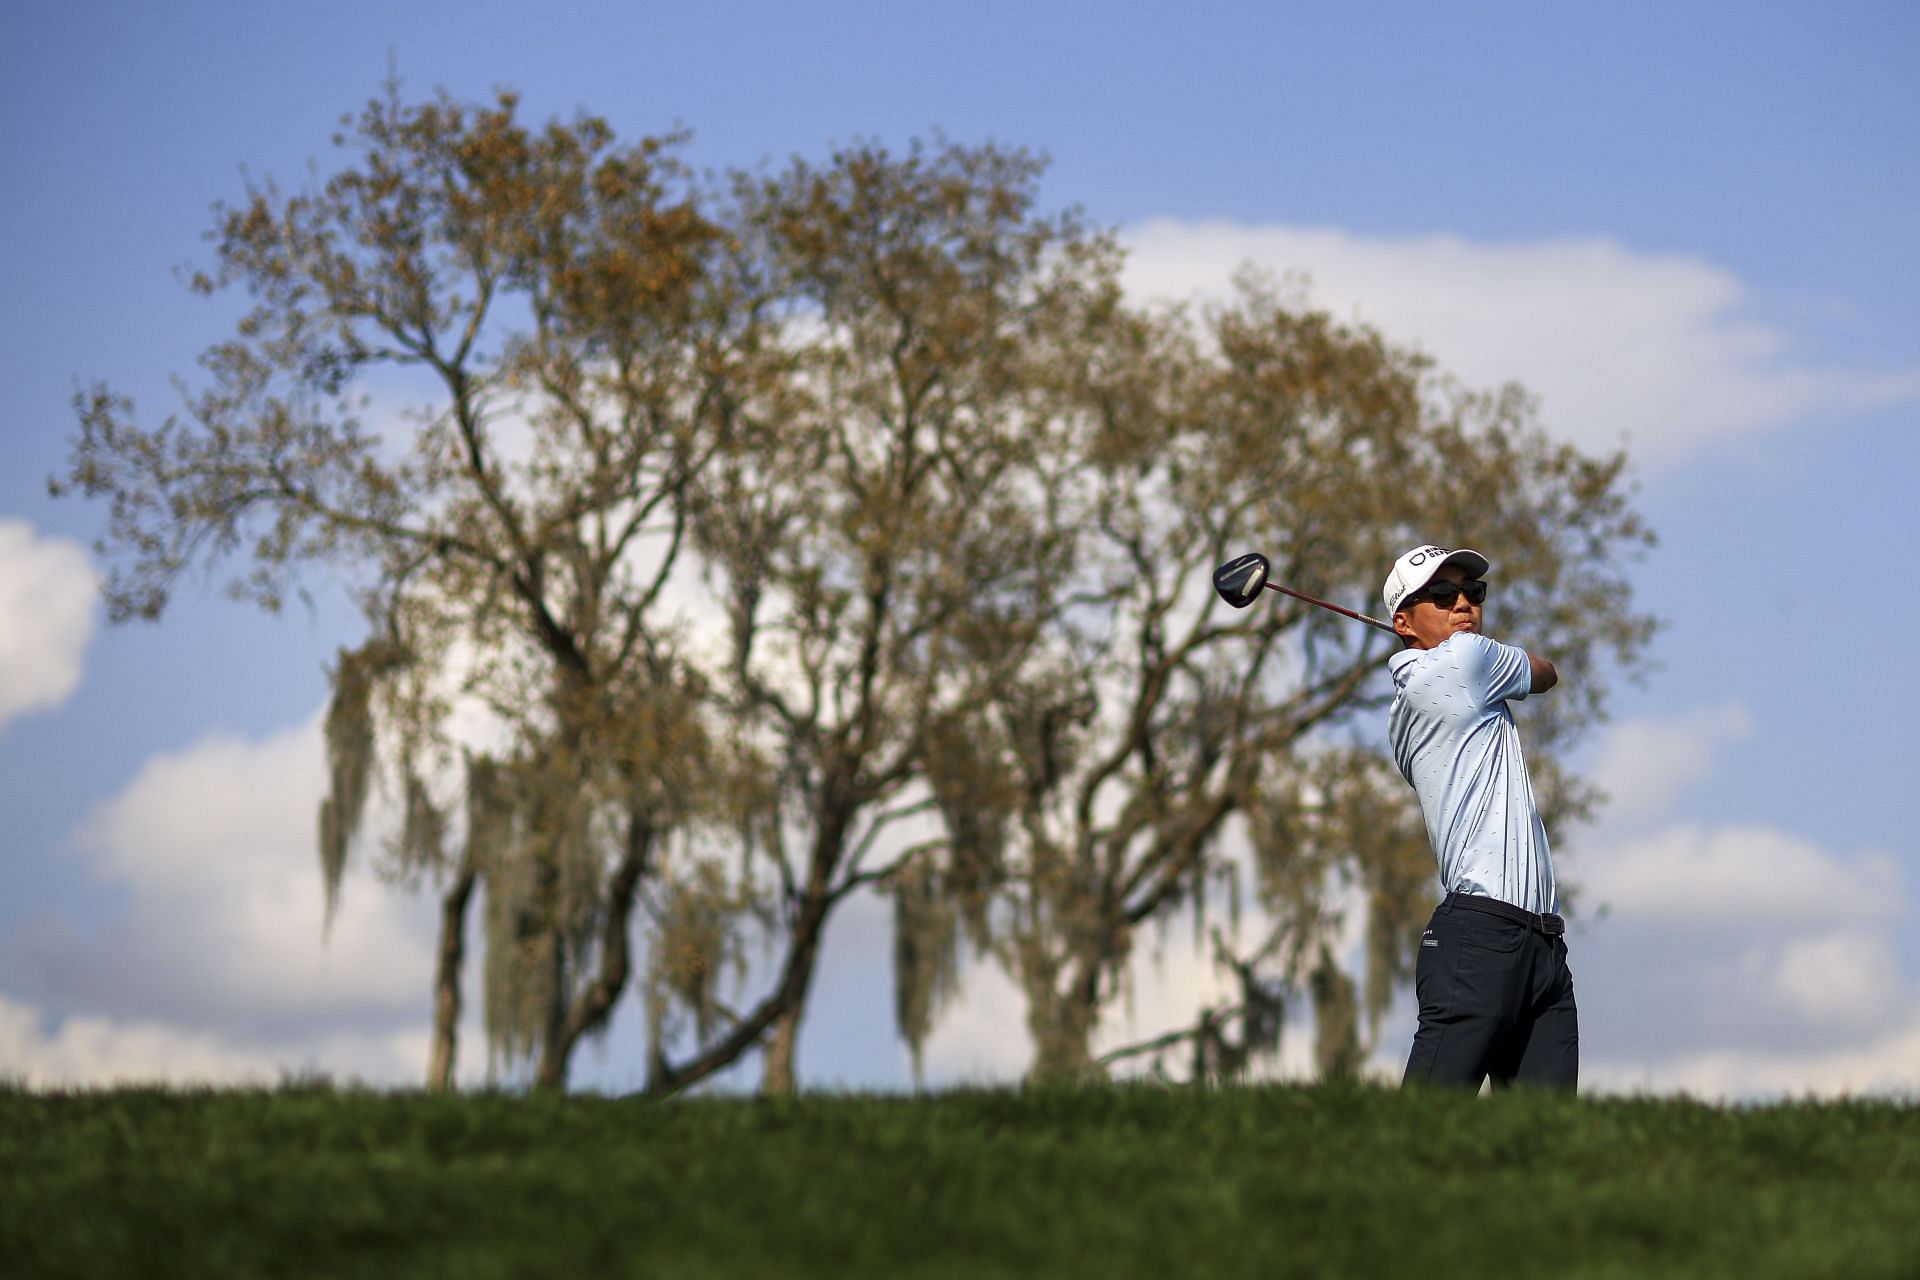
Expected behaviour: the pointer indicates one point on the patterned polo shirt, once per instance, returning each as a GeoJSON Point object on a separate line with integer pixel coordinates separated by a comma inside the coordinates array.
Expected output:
{"type": "Point", "coordinates": [1455, 741]}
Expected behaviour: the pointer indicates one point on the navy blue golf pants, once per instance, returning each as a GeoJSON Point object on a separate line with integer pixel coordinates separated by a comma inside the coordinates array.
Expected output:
{"type": "Point", "coordinates": [1496, 1000]}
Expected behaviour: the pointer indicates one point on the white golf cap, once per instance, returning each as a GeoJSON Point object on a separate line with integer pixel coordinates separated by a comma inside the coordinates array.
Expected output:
{"type": "Point", "coordinates": [1416, 568]}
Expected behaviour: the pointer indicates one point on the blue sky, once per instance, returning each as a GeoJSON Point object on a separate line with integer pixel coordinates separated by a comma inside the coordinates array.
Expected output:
{"type": "Point", "coordinates": [1690, 226]}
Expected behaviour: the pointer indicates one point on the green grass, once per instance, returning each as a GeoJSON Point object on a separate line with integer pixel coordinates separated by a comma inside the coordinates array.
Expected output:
{"type": "Point", "coordinates": [1266, 1182]}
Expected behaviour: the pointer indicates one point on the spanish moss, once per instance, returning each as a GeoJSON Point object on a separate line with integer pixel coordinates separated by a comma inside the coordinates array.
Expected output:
{"type": "Point", "coordinates": [926, 953]}
{"type": "Point", "coordinates": [350, 754]}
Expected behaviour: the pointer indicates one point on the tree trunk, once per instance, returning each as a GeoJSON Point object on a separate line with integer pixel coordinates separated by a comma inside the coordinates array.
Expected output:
{"type": "Point", "coordinates": [551, 1070]}
{"type": "Point", "coordinates": [791, 995]}
{"type": "Point", "coordinates": [594, 1004]}
{"type": "Point", "coordinates": [1061, 1023]}
{"type": "Point", "coordinates": [558, 820]}
{"type": "Point", "coordinates": [1063, 1052]}
{"type": "Point", "coordinates": [780, 1012]}
{"type": "Point", "coordinates": [778, 1079]}
{"type": "Point", "coordinates": [798, 984]}
{"type": "Point", "coordinates": [446, 981]}
{"type": "Point", "coordinates": [802, 955]}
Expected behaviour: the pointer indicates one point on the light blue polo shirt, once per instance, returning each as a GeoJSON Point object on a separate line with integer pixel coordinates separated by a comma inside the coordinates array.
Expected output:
{"type": "Point", "coordinates": [1455, 741]}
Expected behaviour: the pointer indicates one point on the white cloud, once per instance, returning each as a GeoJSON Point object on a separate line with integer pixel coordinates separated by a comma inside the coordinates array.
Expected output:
{"type": "Point", "coordinates": [215, 967]}
{"type": "Point", "coordinates": [1885, 1064]}
{"type": "Point", "coordinates": [982, 1037]}
{"type": "Point", "coordinates": [1644, 766]}
{"type": "Point", "coordinates": [1733, 960]}
{"type": "Point", "coordinates": [1843, 980]}
{"type": "Point", "coordinates": [1661, 351]}
{"type": "Point", "coordinates": [91, 1051]}
{"type": "Point", "coordinates": [1749, 875]}
{"type": "Point", "coordinates": [217, 847]}
{"type": "Point", "coordinates": [47, 592]}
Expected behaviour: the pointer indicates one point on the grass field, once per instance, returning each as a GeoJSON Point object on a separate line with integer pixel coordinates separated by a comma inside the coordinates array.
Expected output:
{"type": "Point", "coordinates": [1099, 1182]}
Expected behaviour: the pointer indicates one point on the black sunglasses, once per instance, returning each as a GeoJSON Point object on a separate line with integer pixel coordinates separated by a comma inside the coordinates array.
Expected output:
{"type": "Point", "coordinates": [1443, 593]}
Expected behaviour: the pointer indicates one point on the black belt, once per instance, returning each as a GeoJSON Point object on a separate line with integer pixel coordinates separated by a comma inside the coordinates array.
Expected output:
{"type": "Point", "coordinates": [1551, 925]}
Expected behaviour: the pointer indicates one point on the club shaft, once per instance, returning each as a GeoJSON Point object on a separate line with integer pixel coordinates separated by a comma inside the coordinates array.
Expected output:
{"type": "Point", "coordinates": [1325, 604]}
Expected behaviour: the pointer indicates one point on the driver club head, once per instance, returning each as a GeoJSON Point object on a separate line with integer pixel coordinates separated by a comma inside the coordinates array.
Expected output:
{"type": "Point", "coordinates": [1239, 580]}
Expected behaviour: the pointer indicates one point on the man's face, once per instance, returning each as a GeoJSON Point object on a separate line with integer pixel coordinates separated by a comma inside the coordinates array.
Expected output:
{"type": "Point", "coordinates": [1425, 623]}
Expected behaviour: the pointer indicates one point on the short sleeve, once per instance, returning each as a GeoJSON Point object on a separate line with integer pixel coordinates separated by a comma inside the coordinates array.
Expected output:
{"type": "Point", "coordinates": [1495, 672]}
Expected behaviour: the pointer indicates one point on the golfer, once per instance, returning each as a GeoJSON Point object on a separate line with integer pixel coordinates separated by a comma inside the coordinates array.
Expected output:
{"type": "Point", "coordinates": [1496, 997]}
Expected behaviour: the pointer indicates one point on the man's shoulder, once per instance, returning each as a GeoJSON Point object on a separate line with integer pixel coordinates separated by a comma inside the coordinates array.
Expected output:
{"type": "Point", "coordinates": [1470, 647]}
{"type": "Point", "coordinates": [1400, 661]}
{"type": "Point", "coordinates": [1467, 661]}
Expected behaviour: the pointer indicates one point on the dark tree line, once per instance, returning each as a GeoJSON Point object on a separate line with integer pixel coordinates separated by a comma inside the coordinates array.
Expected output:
{"type": "Point", "coordinates": [833, 529]}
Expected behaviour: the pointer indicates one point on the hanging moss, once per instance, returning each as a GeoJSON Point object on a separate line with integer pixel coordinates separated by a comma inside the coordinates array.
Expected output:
{"type": "Point", "coordinates": [926, 953]}
{"type": "Point", "coordinates": [1263, 1012]}
{"type": "Point", "coordinates": [516, 951]}
{"type": "Point", "coordinates": [350, 753]}
{"type": "Point", "coordinates": [1371, 818]}
{"type": "Point", "coordinates": [1336, 1046]}
{"type": "Point", "coordinates": [976, 799]}
{"type": "Point", "coordinates": [423, 829]}
{"type": "Point", "coordinates": [1400, 879]}
{"type": "Point", "coordinates": [540, 838]}
{"type": "Point", "coordinates": [694, 943]}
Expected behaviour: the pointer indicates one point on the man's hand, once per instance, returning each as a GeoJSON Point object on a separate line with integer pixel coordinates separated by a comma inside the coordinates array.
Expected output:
{"type": "Point", "coordinates": [1544, 676]}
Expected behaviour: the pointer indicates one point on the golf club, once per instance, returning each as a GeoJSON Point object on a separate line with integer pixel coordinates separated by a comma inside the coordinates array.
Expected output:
{"type": "Point", "coordinates": [1239, 581]}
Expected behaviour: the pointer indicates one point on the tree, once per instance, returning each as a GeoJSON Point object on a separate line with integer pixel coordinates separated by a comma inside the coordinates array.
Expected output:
{"type": "Point", "coordinates": [881, 548]}
{"type": "Point", "coordinates": [1155, 732]}
{"type": "Point", "coordinates": [815, 389]}
{"type": "Point", "coordinates": [584, 338]}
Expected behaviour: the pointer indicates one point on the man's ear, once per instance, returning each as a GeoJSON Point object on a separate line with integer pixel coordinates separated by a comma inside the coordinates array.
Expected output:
{"type": "Point", "coordinates": [1402, 627]}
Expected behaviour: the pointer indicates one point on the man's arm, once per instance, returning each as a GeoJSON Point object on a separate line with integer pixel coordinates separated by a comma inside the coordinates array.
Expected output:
{"type": "Point", "coordinates": [1544, 676]}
